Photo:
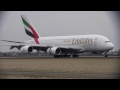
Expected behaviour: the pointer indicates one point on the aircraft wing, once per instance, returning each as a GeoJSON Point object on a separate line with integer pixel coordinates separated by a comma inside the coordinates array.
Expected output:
{"type": "Point", "coordinates": [41, 47]}
{"type": "Point", "coordinates": [63, 48]}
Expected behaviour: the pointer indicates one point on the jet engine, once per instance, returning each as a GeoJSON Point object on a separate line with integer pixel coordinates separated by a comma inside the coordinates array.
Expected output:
{"type": "Point", "coordinates": [54, 51]}
{"type": "Point", "coordinates": [26, 49]}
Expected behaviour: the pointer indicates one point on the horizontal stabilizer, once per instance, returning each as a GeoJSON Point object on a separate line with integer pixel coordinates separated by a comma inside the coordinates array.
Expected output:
{"type": "Point", "coordinates": [11, 41]}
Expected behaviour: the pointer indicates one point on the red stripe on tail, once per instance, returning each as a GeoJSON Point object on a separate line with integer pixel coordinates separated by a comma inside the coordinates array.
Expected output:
{"type": "Point", "coordinates": [35, 35]}
{"type": "Point", "coordinates": [36, 40]}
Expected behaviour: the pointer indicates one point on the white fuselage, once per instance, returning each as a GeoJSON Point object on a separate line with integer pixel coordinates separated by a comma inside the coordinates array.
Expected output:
{"type": "Point", "coordinates": [84, 43]}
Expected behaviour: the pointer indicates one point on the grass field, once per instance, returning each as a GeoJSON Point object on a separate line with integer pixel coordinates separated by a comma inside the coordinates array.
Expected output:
{"type": "Point", "coordinates": [50, 68]}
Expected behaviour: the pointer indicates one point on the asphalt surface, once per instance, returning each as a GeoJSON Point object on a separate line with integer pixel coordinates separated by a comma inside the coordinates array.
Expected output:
{"type": "Point", "coordinates": [59, 74]}
{"type": "Point", "coordinates": [63, 75]}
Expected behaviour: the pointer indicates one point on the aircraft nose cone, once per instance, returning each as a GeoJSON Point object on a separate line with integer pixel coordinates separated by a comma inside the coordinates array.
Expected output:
{"type": "Point", "coordinates": [111, 46]}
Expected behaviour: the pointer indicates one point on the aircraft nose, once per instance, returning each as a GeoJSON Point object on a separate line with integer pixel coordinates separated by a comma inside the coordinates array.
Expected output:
{"type": "Point", "coordinates": [111, 46]}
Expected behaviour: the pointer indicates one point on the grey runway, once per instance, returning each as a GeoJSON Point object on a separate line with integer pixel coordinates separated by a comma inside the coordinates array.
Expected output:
{"type": "Point", "coordinates": [60, 68]}
{"type": "Point", "coordinates": [58, 75]}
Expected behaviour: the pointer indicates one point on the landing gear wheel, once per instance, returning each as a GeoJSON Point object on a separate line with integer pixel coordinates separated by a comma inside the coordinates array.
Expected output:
{"type": "Point", "coordinates": [61, 56]}
{"type": "Point", "coordinates": [105, 54]}
{"type": "Point", "coordinates": [75, 56]}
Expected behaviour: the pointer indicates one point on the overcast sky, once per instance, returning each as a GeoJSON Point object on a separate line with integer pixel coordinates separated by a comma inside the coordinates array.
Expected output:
{"type": "Point", "coordinates": [60, 23]}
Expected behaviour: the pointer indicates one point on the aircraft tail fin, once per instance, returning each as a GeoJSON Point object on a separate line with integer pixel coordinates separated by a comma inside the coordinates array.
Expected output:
{"type": "Point", "coordinates": [29, 29]}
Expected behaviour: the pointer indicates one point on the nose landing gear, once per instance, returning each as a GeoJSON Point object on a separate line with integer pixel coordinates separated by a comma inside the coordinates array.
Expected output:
{"type": "Point", "coordinates": [106, 54]}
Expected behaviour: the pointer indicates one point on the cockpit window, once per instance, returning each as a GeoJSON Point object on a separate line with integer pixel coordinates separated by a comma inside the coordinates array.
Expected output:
{"type": "Point", "coordinates": [107, 41]}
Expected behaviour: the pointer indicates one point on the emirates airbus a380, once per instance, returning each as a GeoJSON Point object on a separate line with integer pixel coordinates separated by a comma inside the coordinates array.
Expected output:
{"type": "Point", "coordinates": [62, 46]}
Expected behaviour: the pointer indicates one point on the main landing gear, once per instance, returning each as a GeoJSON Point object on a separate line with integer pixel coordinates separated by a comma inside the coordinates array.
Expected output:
{"type": "Point", "coordinates": [65, 56]}
{"type": "Point", "coordinates": [75, 56]}
{"type": "Point", "coordinates": [61, 56]}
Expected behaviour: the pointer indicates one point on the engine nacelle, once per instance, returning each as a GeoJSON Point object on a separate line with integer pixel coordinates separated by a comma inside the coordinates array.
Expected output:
{"type": "Point", "coordinates": [26, 49]}
{"type": "Point", "coordinates": [54, 51]}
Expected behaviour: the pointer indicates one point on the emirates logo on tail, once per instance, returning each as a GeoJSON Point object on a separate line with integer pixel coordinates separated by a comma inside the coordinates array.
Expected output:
{"type": "Point", "coordinates": [30, 30]}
